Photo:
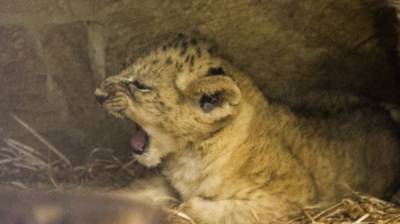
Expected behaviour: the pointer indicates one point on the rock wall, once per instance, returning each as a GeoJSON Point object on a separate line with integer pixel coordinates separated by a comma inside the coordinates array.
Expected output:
{"type": "Point", "coordinates": [54, 52]}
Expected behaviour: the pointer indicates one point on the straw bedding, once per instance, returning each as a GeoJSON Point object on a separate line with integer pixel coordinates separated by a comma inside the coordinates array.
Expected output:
{"type": "Point", "coordinates": [24, 167]}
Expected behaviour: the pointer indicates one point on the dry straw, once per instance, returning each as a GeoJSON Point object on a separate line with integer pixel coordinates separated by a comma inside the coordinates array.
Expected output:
{"type": "Point", "coordinates": [23, 166]}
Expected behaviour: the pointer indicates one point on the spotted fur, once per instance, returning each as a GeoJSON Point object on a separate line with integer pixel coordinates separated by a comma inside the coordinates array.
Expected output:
{"type": "Point", "coordinates": [245, 159]}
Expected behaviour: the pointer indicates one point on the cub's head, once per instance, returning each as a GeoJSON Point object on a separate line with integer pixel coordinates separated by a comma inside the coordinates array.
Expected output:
{"type": "Point", "coordinates": [179, 94]}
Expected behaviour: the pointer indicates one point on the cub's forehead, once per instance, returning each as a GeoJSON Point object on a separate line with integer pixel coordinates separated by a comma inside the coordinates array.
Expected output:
{"type": "Point", "coordinates": [183, 45]}
{"type": "Point", "coordinates": [179, 53]}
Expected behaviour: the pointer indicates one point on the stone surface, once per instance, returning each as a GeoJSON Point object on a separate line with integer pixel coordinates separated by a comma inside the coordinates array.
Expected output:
{"type": "Point", "coordinates": [24, 92]}
{"type": "Point", "coordinates": [65, 49]}
{"type": "Point", "coordinates": [27, 92]}
{"type": "Point", "coordinates": [21, 81]}
{"type": "Point", "coordinates": [45, 79]}
{"type": "Point", "coordinates": [39, 12]}
{"type": "Point", "coordinates": [285, 45]}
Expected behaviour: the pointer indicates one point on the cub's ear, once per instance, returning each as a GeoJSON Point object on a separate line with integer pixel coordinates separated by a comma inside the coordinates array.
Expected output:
{"type": "Point", "coordinates": [215, 93]}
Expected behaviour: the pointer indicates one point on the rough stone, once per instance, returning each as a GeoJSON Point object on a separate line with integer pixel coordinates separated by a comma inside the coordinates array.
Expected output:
{"type": "Point", "coordinates": [21, 79]}
{"type": "Point", "coordinates": [65, 50]}
{"type": "Point", "coordinates": [285, 45]}
{"type": "Point", "coordinates": [39, 12]}
{"type": "Point", "coordinates": [23, 88]}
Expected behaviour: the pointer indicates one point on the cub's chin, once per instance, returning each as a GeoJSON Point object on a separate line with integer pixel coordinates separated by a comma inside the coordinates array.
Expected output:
{"type": "Point", "coordinates": [152, 158]}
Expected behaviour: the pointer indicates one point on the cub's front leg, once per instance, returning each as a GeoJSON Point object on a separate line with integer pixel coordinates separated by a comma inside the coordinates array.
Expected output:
{"type": "Point", "coordinates": [233, 211]}
{"type": "Point", "coordinates": [154, 189]}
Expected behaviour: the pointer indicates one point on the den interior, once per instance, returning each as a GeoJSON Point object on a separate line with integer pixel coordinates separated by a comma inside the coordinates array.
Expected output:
{"type": "Point", "coordinates": [55, 137]}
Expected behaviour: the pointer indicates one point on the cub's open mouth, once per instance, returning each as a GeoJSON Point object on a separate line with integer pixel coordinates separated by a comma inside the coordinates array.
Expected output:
{"type": "Point", "coordinates": [139, 141]}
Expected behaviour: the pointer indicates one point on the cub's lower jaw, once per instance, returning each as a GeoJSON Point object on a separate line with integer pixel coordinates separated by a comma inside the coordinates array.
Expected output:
{"type": "Point", "coordinates": [149, 159]}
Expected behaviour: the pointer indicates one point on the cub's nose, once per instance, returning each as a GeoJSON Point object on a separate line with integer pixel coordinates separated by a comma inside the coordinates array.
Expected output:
{"type": "Point", "coordinates": [100, 95]}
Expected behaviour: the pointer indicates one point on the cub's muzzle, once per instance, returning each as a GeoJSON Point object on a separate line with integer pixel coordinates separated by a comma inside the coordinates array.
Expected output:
{"type": "Point", "coordinates": [101, 96]}
{"type": "Point", "coordinates": [107, 88]}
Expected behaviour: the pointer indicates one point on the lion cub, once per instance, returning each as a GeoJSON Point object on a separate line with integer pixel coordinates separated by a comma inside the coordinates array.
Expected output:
{"type": "Point", "coordinates": [231, 156]}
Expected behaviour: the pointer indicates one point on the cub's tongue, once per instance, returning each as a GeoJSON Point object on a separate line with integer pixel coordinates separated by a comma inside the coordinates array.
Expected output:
{"type": "Point", "coordinates": [139, 141]}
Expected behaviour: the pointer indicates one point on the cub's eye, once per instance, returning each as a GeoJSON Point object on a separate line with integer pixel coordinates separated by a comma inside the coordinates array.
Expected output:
{"type": "Point", "coordinates": [215, 71]}
{"type": "Point", "coordinates": [140, 86]}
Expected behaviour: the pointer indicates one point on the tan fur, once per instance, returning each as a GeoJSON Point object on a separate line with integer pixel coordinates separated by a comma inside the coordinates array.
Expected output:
{"type": "Point", "coordinates": [249, 160]}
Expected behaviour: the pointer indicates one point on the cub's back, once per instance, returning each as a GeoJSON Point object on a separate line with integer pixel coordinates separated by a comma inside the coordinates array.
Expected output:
{"type": "Point", "coordinates": [358, 149]}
